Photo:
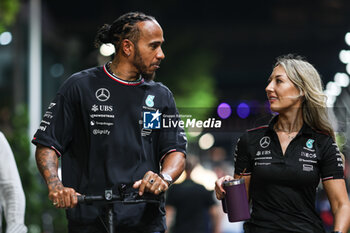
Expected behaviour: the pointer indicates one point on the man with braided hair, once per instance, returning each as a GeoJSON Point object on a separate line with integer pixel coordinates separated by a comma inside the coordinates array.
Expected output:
{"type": "Point", "coordinates": [104, 124]}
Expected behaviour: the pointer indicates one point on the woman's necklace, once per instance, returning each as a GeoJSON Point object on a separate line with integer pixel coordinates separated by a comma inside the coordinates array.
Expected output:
{"type": "Point", "coordinates": [289, 133]}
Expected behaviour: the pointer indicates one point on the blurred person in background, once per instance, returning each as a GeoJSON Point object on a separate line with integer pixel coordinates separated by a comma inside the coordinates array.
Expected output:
{"type": "Point", "coordinates": [190, 205]}
{"type": "Point", "coordinates": [101, 125]}
{"type": "Point", "coordinates": [12, 199]}
{"type": "Point", "coordinates": [282, 163]}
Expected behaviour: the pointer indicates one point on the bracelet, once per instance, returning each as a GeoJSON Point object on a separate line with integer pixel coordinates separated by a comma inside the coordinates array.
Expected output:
{"type": "Point", "coordinates": [336, 232]}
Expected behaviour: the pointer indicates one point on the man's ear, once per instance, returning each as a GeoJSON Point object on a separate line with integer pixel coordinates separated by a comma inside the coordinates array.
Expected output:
{"type": "Point", "coordinates": [127, 47]}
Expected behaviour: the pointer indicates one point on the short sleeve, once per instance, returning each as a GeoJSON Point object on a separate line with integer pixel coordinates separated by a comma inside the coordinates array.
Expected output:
{"type": "Point", "coordinates": [55, 130]}
{"type": "Point", "coordinates": [242, 157]}
{"type": "Point", "coordinates": [331, 164]}
{"type": "Point", "coordinates": [173, 138]}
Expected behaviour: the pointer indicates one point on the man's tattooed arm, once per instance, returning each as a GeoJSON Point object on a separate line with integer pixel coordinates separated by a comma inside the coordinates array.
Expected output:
{"type": "Point", "coordinates": [47, 162]}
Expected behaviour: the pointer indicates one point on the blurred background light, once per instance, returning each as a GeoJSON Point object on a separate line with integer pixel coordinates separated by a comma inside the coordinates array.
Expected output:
{"type": "Point", "coordinates": [56, 70]}
{"type": "Point", "coordinates": [344, 56]}
{"type": "Point", "coordinates": [341, 79]}
{"type": "Point", "coordinates": [327, 93]}
{"type": "Point", "coordinates": [333, 89]}
{"type": "Point", "coordinates": [194, 132]}
{"type": "Point", "coordinates": [348, 68]}
{"type": "Point", "coordinates": [347, 38]}
{"type": "Point", "coordinates": [200, 175]}
{"type": "Point", "coordinates": [330, 100]}
{"type": "Point", "coordinates": [243, 110]}
{"type": "Point", "coordinates": [224, 110]}
{"type": "Point", "coordinates": [107, 49]}
{"type": "Point", "coordinates": [204, 177]}
{"type": "Point", "coordinates": [206, 141]}
{"type": "Point", "coordinates": [5, 38]}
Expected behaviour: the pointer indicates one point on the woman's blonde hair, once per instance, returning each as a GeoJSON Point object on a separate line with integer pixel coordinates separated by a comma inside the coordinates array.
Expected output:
{"type": "Point", "coordinates": [306, 78]}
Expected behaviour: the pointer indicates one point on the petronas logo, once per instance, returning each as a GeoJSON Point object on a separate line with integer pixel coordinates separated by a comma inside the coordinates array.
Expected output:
{"type": "Point", "coordinates": [149, 100]}
{"type": "Point", "coordinates": [310, 143]}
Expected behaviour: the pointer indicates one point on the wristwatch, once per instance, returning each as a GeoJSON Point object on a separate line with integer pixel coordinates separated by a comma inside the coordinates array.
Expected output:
{"type": "Point", "coordinates": [167, 178]}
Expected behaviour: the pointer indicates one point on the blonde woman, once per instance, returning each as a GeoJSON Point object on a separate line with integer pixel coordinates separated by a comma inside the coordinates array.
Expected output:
{"type": "Point", "coordinates": [282, 163]}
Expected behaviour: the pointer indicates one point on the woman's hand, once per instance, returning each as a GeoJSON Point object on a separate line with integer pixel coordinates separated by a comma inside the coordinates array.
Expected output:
{"type": "Point", "coordinates": [219, 190]}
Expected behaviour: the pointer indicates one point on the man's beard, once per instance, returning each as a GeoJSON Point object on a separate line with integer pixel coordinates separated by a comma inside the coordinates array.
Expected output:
{"type": "Point", "coordinates": [140, 65]}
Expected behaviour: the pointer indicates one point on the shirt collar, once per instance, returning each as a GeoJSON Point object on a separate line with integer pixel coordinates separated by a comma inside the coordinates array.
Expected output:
{"type": "Point", "coordinates": [110, 74]}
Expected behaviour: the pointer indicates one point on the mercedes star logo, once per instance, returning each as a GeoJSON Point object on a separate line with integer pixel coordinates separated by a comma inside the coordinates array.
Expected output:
{"type": "Point", "coordinates": [265, 142]}
{"type": "Point", "coordinates": [102, 94]}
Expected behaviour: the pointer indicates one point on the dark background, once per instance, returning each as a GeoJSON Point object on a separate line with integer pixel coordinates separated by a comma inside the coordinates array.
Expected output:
{"type": "Point", "coordinates": [237, 40]}
{"type": "Point", "coordinates": [245, 36]}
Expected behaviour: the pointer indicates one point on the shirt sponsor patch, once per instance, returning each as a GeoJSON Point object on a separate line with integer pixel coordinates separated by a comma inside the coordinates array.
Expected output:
{"type": "Point", "coordinates": [309, 143]}
{"type": "Point", "coordinates": [264, 152]}
{"type": "Point", "coordinates": [307, 160]}
{"type": "Point", "coordinates": [102, 108]}
{"type": "Point", "coordinates": [308, 167]}
{"type": "Point", "coordinates": [149, 100]}
{"type": "Point", "coordinates": [308, 155]}
{"type": "Point", "coordinates": [102, 94]}
{"type": "Point", "coordinates": [265, 142]}
{"type": "Point", "coordinates": [101, 131]}
{"type": "Point", "coordinates": [262, 164]}
{"type": "Point", "coordinates": [51, 105]}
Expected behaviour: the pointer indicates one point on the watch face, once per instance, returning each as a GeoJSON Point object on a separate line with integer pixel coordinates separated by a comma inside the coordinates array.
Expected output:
{"type": "Point", "coordinates": [167, 178]}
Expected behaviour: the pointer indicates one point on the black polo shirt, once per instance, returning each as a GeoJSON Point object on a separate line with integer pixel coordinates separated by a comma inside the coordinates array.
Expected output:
{"type": "Point", "coordinates": [192, 202]}
{"type": "Point", "coordinates": [96, 123]}
{"type": "Point", "coordinates": [283, 187]}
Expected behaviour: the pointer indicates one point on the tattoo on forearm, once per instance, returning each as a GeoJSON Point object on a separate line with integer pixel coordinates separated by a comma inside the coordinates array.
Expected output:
{"type": "Point", "coordinates": [47, 163]}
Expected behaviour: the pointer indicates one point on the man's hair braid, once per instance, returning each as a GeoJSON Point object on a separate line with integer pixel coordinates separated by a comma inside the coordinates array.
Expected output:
{"type": "Point", "coordinates": [122, 28]}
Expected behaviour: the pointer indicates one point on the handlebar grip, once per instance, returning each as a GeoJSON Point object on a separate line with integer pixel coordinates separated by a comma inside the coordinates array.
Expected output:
{"type": "Point", "coordinates": [81, 198]}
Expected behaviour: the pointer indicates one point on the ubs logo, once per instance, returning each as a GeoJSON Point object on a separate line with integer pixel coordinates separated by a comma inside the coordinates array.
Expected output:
{"type": "Point", "coordinates": [103, 108]}
{"type": "Point", "coordinates": [265, 142]}
{"type": "Point", "coordinates": [102, 94]}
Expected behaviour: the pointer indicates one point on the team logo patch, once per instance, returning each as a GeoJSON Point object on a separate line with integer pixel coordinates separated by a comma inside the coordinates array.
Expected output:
{"type": "Point", "coordinates": [265, 142]}
{"type": "Point", "coordinates": [149, 100]}
{"type": "Point", "coordinates": [151, 120]}
{"type": "Point", "coordinates": [309, 143]}
{"type": "Point", "coordinates": [102, 94]}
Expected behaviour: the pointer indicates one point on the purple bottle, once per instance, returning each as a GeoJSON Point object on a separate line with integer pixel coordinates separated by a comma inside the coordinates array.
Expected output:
{"type": "Point", "coordinates": [235, 203]}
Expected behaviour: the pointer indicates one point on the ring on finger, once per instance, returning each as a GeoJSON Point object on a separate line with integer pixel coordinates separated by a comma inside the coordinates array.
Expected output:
{"type": "Point", "coordinates": [159, 189]}
{"type": "Point", "coordinates": [55, 203]}
{"type": "Point", "coordinates": [151, 181]}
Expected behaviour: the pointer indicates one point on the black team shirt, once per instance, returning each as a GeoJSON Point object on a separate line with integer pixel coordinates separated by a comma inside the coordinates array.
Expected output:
{"type": "Point", "coordinates": [95, 123]}
{"type": "Point", "coordinates": [283, 187]}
